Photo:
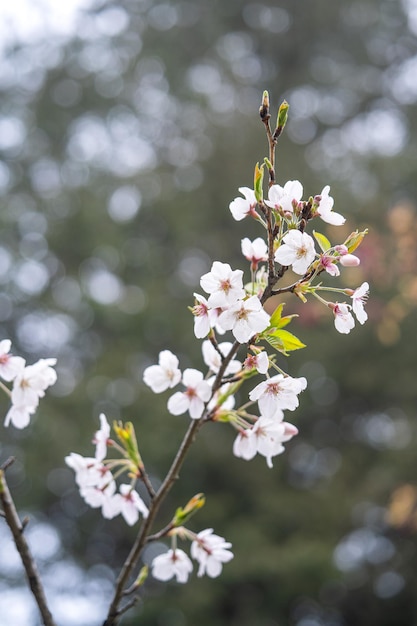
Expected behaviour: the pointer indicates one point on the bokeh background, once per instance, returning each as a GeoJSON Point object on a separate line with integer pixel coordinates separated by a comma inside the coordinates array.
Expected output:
{"type": "Point", "coordinates": [126, 128]}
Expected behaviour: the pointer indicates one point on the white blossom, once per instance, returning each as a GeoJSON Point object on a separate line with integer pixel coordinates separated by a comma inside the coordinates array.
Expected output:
{"type": "Point", "coordinates": [213, 360]}
{"type": "Point", "coordinates": [359, 297]}
{"type": "Point", "coordinates": [325, 207]}
{"type": "Point", "coordinates": [131, 504]}
{"type": "Point", "coordinates": [172, 563]}
{"type": "Point", "coordinates": [194, 397]}
{"type": "Point", "coordinates": [165, 375]}
{"type": "Point", "coordinates": [241, 207]}
{"type": "Point", "coordinates": [211, 551]}
{"type": "Point", "coordinates": [10, 365]}
{"type": "Point", "coordinates": [245, 319]}
{"type": "Point", "coordinates": [343, 318]}
{"type": "Point", "coordinates": [297, 250]}
{"type": "Point", "coordinates": [254, 251]}
{"type": "Point", "coordinates": [101, 438]}
{"type": "Point", "coordinates": [31, 382]}
{"type": "Point", "coordinates": [224, 285]}
{"type": "Point", "coordinates": [286, 197]}
{"type": "Point", "coordinates": [278, 392]}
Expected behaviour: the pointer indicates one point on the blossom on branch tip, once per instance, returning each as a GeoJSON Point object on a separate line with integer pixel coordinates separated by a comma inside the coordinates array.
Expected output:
{"type": "Point", "coordinates": [285, 198]}
{"type": "Point", "coordinates": [211, 551]}
{"type": "Point", "coordinates": [325, 209]}
{"type": "Point", "coordinates": [224, 285]}
{"type": "Point", "coordinates": [245, 319]}
{"type": "Point", "coordinates": [165, 375]}
{"type": "Point", "coordinates": [172, 563]}
{"type": "Point", "coordinates": [242, 207]}
{"type": "Point", "coordinates": [31, 382]}
{"type": "Point", "coordinates": [297, 250]}
{"type": "Point", "coordinates": [196, 394]}
{"type": "Point", "coordinates": [278, 392]}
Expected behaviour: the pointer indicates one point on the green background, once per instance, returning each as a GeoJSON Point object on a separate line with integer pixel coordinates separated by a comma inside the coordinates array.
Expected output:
{"type": "Point", "coordinates": [120, 150]}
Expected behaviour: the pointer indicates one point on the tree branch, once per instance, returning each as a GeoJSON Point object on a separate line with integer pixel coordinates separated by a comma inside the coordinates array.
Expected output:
{"type": "Point", "coordinates": [17, 528]}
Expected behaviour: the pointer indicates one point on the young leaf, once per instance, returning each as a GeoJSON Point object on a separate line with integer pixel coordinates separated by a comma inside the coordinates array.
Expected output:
{"type": "Point", "coordinates": [277, 321]}
{"type": "Point", "coordinates": [323, 242]}
{"type": "Point", "coordinates": [284, 341]}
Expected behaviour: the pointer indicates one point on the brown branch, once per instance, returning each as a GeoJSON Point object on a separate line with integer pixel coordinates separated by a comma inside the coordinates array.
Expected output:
{"type": "Point", "coordinates": [17, 528]}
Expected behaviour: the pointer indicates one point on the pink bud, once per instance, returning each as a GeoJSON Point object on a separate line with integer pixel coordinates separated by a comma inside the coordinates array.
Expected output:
{"type": "Point", "coordinates": [349, 260]}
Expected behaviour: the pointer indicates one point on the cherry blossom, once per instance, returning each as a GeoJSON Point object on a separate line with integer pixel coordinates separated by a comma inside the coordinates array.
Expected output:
{"type": "Point", "coordinates": [204, 317]}
{"type": "Point", "coordinates": [224, 285]}
{"type": "Point", "coordinates": [328, 262]}
{"type": "Point", "coordinates": [297, 250]}
{"type": "Point", "coordinates": [265, 437]}
{"type": "Point", "coordinates": [102, 494]}
{"type": "Point", "coordinates": [245, 319]}
{"type": "Point", "coordinates": [213, 360]}
{"type": "Point", "coordinates": [325, 206]}
{"type": "Point", "coordinates": [258, 361]}
{"type": "Point", "coordinates": [165, 375]}
{"type": "Point", "coordinates": [254, 251]}
{"type": "Point", "coordinates": [10, 366]}
{"type": "Point", "coordinates": [285, 198]}
{"type": "Point", "coordinates": [101, 438]}
{"type": "Point", "coordinates": [349, 260]}
{"type": "Point", "coordinates": [19, 416]}
{"type": "Point", "coordinates": [211, 551]}
{"type": "Point", "coordinates": [131, 504]}
{"type": "Point", "coordinates": [240, 208]}
{"type": "Point", "coordinates": [278, 392]}
{"type": "Point", "coordinates": [88, 470]}
{"type": "Point", "coordinates": [172, 563]}
{"type": "Point", "coordinates": [197, 393]}
{"type": "Point", "coordinates": [359, 297]}
{"type": "Point", "coordinates": [343, 318]}
{"type": "Point", "coordinates": [31, 382]}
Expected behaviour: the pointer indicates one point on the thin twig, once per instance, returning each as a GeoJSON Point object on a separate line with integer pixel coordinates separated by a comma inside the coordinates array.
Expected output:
{"type": "Point", "coordinates": [16, 527]}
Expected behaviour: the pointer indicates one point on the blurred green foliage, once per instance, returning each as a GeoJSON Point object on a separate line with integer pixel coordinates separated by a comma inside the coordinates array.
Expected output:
{"type": "Point", "coordinates": [121, 147]}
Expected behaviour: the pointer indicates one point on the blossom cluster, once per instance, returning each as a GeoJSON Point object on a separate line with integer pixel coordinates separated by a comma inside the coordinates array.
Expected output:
{"type": "Point", "coordinates": [29, 384]}
{"type": "Point", "coordinates": [208, 549]}
{"type": "Point", "coordinates": [295, 248]}
{"type": "Point", "coordinates": [97, 484]}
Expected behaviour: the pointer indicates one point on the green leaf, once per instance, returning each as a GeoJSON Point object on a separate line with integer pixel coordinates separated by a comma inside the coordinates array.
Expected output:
{"type": "Point", "coordinates": [277, 321]}
{"type": "Point", "coordinates": [284, 341]}
{"type": "Point", "coordinates": [323, 242]}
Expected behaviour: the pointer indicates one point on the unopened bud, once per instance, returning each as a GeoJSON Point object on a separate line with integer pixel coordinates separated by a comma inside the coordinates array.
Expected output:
{"type": "Point", "coordinates": [281, 119]}
{"type": "Point", "coordinates": [182, 515]}
{"type": "Point", "coordinates": [355, 239]}
{"type": "Point", "coordinates": [349, 260]}
{"type": "Point", "coordinates": [264, 108]}
{"type": "Point", "coordinates": [258, 182]}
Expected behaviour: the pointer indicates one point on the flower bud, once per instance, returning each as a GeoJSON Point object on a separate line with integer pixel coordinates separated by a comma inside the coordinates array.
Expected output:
{"type": "Point", "coordinates": [182, 515]}
{"type": "Point", "coordinates": [349, 260]}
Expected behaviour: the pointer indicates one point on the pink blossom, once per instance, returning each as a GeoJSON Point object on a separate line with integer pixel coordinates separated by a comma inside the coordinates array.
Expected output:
{"type": "Point", "coordinates": [349, 260]}
{"type": "Point", "coordinates": [343, 318]}
{"type": "Point", "coordinates": [328, 263]}
{"type": "Point", "coordinates": [204, 317]}
{"type": "Point", "coordinates": [240, 207]}
{"type": "Point", "coordinates": [258, 361]}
